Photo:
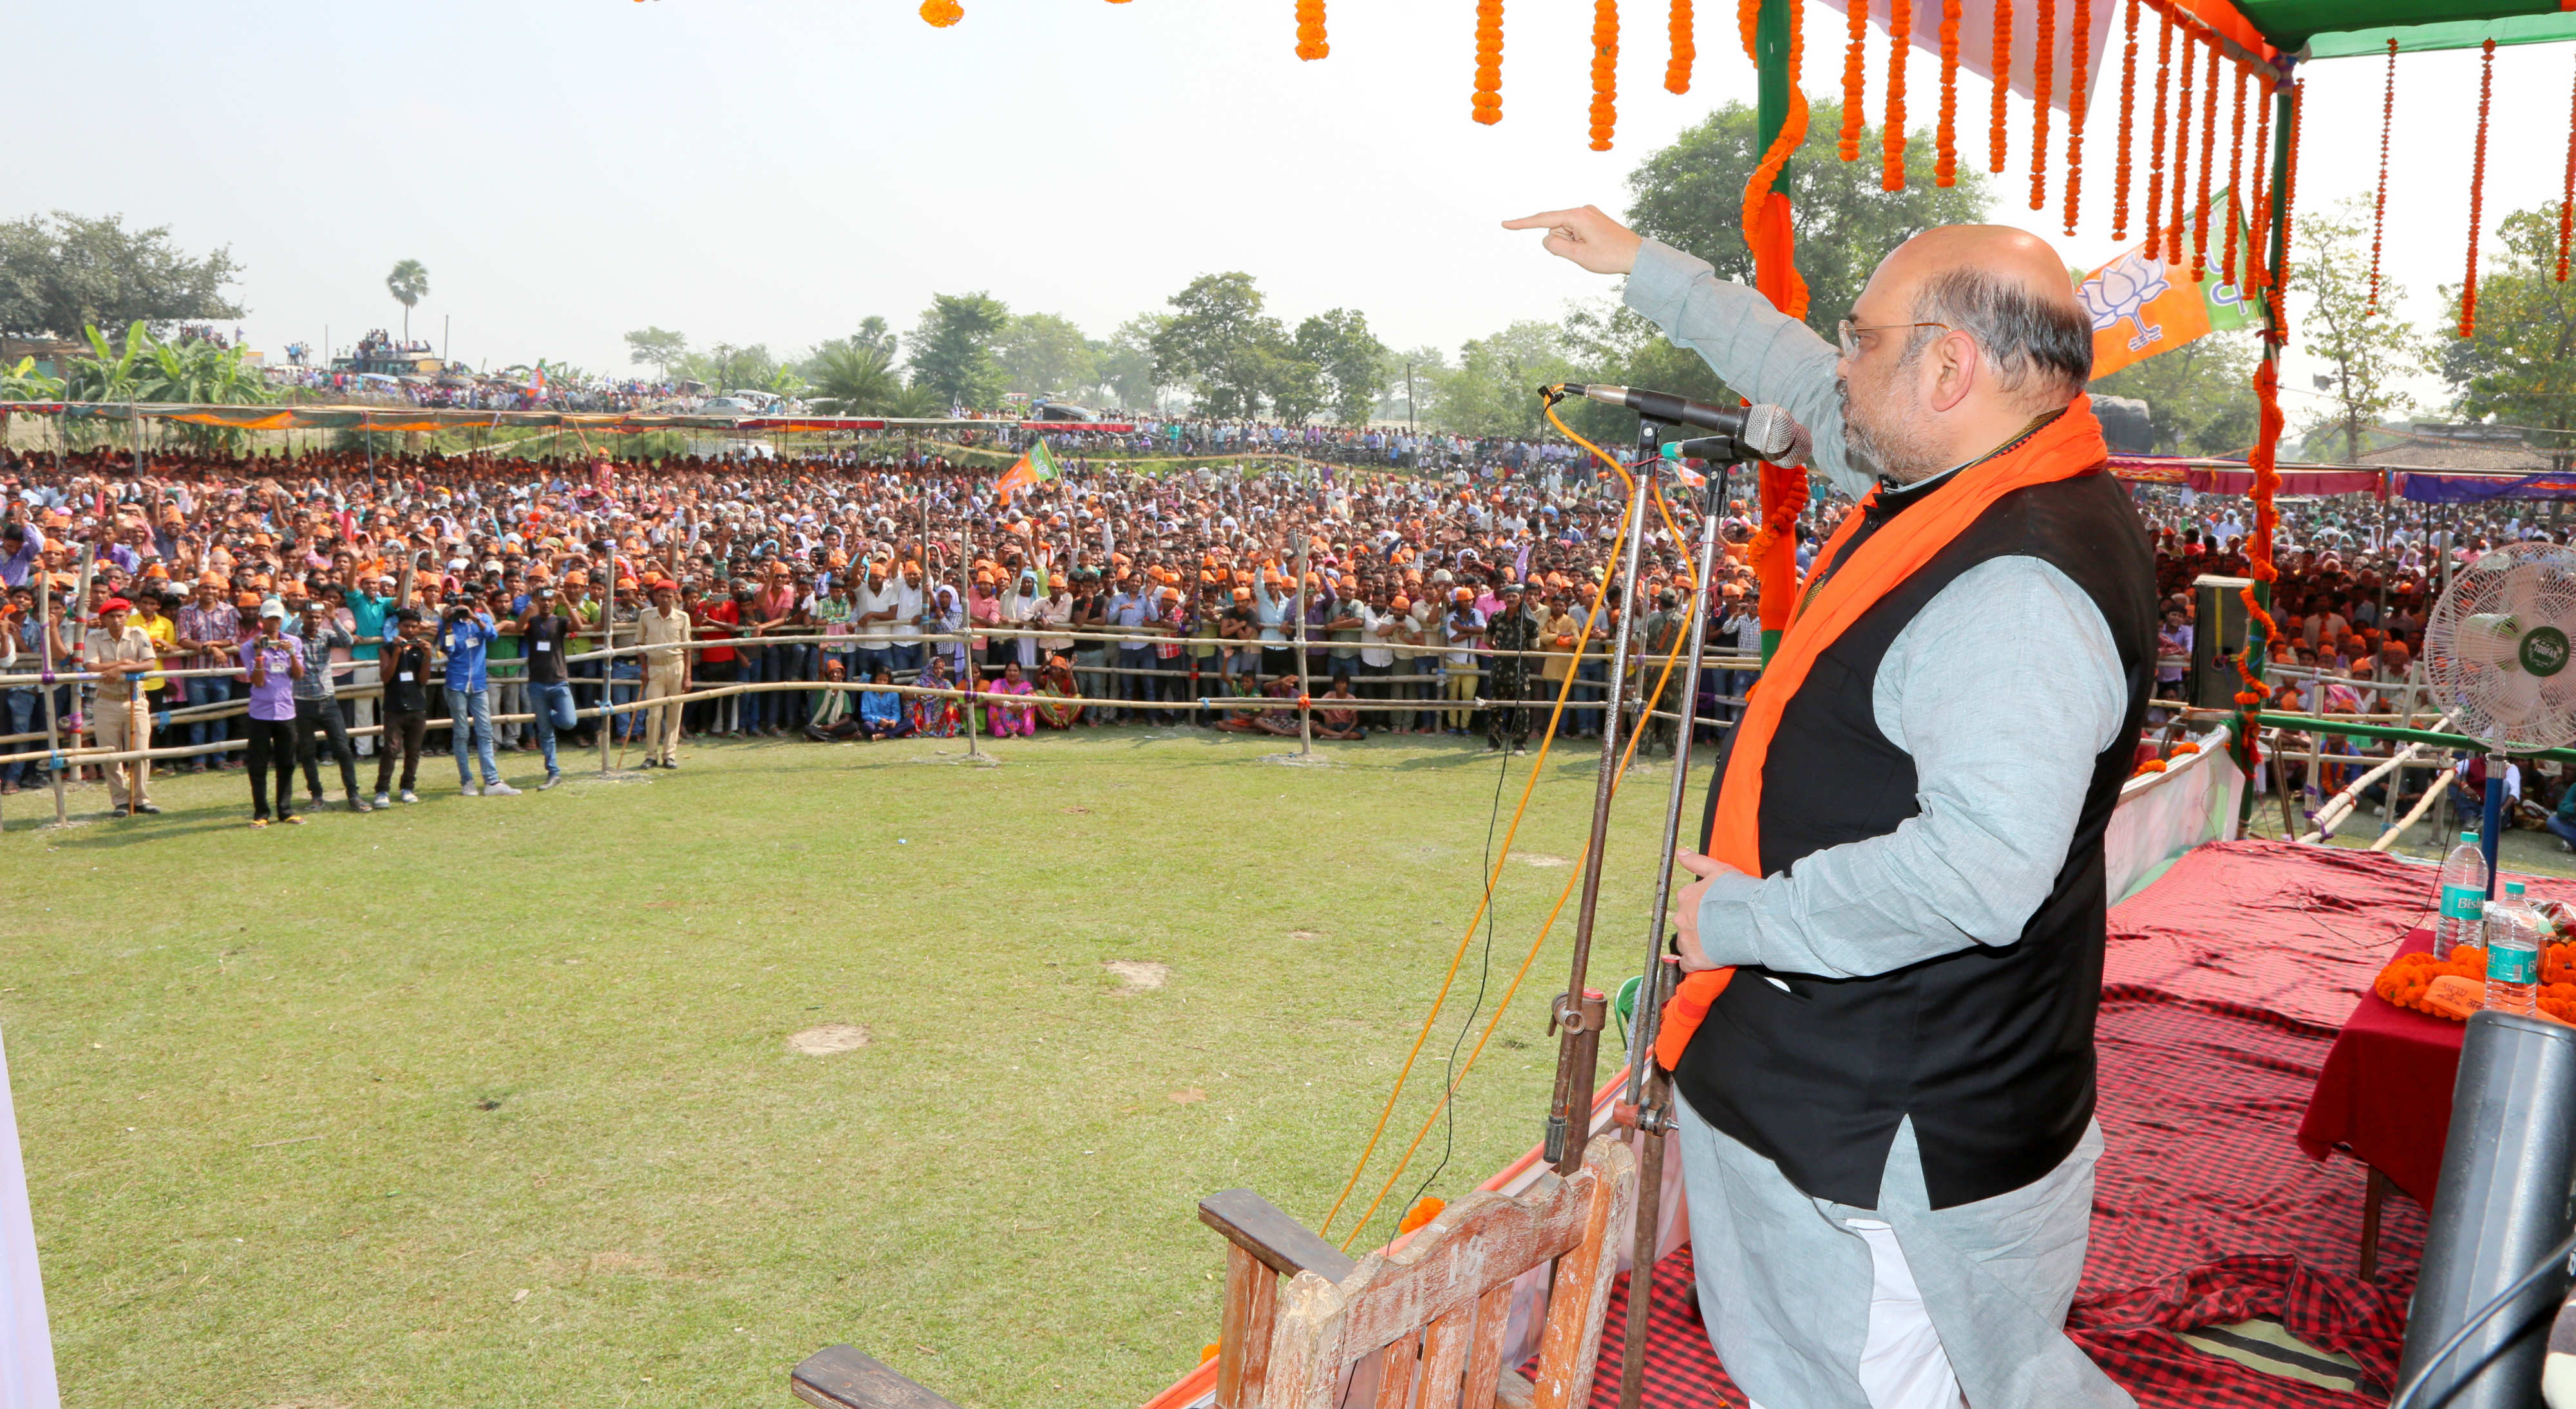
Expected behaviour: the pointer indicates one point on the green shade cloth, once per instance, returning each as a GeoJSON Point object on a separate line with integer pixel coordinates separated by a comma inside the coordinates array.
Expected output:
{"type": "Point", "coordinates": [2331, 29]}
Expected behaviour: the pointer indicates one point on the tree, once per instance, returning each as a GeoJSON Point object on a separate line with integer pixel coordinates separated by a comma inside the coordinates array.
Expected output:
{"type": "Point", "coordinates": [1126, 363]}
{"type": "Point", "coordinates": [1610, 342]}
{"type": "Point", "coordinates": [63, 273]}
{"type": "Point", "coordinates": [2200, 395]}
{"type": "Point", "coordinates": [2520, 367]}
{"type": "Point", "coordinates": [1412, 378]}
{"type": "Point", "coordinates": [852, 381]}
{"type": "Point", "coordinates": [1494, 390]}
{"type": "Point", "coordinates": [409, 283]}
{"type": "Point", "coordinates": [2370, 350]}
{"type": "Point", "coordinates": [1046, 355]}
{"type": "Point", "coordinates": [1220, 343]}
{"type": "Point", "coordinates": [725, 367]}
{"type": "Point", "coordinates": [952, 349]}
{"type": "Point", "coordinates": [657, 348]}
{"type": "Point", "coordinates": [1690, 195]}
{"type": "Point", "coordinates": [1348, 359]}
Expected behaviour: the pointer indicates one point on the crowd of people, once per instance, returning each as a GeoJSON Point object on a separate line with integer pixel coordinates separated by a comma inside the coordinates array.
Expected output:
{"type": "Point", "coordinates": [1439, 601]}
{"type": "Point", "coordinates": [1104, 596]}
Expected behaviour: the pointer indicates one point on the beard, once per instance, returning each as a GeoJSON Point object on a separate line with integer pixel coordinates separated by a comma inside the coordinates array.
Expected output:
{"type": "Point", "coordinates": [1887, 437]}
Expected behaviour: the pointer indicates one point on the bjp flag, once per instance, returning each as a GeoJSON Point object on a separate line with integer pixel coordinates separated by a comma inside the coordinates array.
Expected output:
{"type": "Point", "coordinates": [2144, 306]}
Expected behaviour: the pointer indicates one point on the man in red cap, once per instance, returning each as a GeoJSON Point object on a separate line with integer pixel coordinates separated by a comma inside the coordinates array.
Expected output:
{"type": "Point", "coordinates": [120, 652]}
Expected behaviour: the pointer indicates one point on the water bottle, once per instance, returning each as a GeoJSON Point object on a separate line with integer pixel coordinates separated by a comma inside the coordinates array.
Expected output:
{"type": "Point", "coordinates": [2464, 896]}
{"type": "Point", "coordinates": [2513, 952]}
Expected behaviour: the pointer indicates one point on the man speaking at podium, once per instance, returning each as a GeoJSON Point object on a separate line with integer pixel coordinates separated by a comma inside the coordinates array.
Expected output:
{"type": "Point", "coordinates": [1886, 1123]}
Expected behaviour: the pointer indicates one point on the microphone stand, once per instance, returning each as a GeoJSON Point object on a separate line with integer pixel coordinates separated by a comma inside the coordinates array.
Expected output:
{"type": "Point", "coordinates": [1648, 1107]}
{"type": "Point", "coordinates": [1577, 1016]}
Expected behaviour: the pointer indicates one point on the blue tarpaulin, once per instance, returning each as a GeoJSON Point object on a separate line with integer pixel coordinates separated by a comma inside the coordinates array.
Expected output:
{"type": "Point", "coordinates": [2425, 487]}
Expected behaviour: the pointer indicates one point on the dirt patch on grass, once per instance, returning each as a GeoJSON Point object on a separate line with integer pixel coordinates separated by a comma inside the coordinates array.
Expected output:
{"type": "Point", "coordinates": [1137, 975]}
{"type": "Point", "coordinates": [829, 1039]}
{"type": "Point", "coordinates": [1305, 934]}
{"type": "Point", "coordinates": [1536, 858]}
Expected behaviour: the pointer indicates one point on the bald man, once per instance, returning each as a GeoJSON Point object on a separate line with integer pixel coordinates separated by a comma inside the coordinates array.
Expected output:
{"type": "Point", "coordinates": [1887, 1117]}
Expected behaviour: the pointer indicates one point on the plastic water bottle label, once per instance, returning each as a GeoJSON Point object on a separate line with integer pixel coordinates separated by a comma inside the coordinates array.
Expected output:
{"type": "Point", "coordinates": [2510, 965]}
{"type": "Point", "coordinates": [2463, 903]}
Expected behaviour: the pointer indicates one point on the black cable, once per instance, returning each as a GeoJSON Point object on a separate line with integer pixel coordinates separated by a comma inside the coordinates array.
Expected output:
{"type": "Point", "coordinates": [1484, 975]}
{"type": "Point", "coordinates": [2406, 1396]}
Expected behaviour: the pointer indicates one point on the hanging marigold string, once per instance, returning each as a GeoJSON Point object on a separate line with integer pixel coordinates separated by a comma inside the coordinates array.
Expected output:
{"type": "Point", "coordinates": [1855, 81]}
{"type": "Point", "coordinates": [2235, 174]}
{"type": "Point", "coordinates": [2178, 200]}
{"type": "Point", "coordinates": [2256, 276]}
{"type": "Point", "coordinates": [2567, 194]}
{"type": "Point", "coordinates": [1900, 21]}
{"type": "Point", "coordinates": [2128, 115]}
{"type": "Point", "coordinates": [1310, 30]}
{"type": "Point", "coordinates": [2208, 154]}
{"type": "Point", "coordinates": [940, 14]}
{"type": "Point", "coordinates": [1605, 72]}
{"type": "Point", "coordinates": [2379, 202]}
{"type": "Point", "coordinates": [2079, 60]}
{"type": "Point", "coordinates": [1995, 144]}
{"type": "Point", "coordinates": [1945, 136]}
{"type": "Point", "coordinates": [1488, 103]}
{"type": "Point", "coordinates": [2156, 137]}
{"type": "Point", "coordinates": [1677, 69]}
{"type": "Point", "coordinates": [2043, 59]}
{"type": "Point", "coordinates": [2285, 198]}
{"type": "Point", "coordinates": [1757, 190]}
{"type": "Point", "coordinates": [2477, 192]}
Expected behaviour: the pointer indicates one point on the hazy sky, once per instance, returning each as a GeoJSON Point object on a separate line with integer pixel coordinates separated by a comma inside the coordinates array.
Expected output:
{"type": "Point", "coordinates": [773, 171]}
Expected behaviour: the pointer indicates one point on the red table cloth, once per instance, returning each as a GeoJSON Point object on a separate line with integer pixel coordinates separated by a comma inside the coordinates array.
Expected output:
{"type": "Point", "coordinates": [2386, 1089]}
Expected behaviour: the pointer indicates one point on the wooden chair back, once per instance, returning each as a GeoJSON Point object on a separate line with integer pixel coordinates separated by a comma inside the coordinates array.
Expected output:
{"type": "Point", "coordinates": [1434, 1311]}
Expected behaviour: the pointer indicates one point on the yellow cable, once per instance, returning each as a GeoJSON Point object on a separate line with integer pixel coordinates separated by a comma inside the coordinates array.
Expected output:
{"type": "Point", "coordinates": [1459, 1076]}
{"type": "Point", "coordinates": [1546, 742]}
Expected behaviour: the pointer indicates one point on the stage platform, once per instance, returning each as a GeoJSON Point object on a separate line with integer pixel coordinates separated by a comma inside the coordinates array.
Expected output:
{"type": "Point", "coordinates": [2225, 983]}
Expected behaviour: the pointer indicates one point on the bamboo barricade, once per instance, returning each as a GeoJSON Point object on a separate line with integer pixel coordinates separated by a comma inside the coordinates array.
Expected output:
{"type": "Point", "coordinates": [2348, 799]}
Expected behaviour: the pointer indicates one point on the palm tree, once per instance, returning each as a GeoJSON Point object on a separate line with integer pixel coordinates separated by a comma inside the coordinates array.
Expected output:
{"type": "Point", "coordinates": [408, 283]}
{"type": "Point", "coordinates": [853, 381]}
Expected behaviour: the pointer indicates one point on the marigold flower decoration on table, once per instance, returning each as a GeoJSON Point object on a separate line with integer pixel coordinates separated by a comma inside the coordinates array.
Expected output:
{"type": "Point", "coordinates": [2409, 978]}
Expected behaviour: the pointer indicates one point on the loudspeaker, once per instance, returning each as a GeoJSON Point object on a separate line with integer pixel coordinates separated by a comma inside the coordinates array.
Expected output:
{"type": "Point", "coordinates": [2508, 1196]}
{"type": "Point", "coordinates": [2219, 622]}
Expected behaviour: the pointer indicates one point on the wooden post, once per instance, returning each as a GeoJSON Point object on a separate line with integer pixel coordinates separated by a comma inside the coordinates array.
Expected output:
{"type": "Point", "coordinates": [53, 735]}
{"type": "Point", "coordinates": [1305, 715]}
{"type": "Point", "coordinates": [608, 641]}
{"type": "Point", "coordinates": [966, 609]}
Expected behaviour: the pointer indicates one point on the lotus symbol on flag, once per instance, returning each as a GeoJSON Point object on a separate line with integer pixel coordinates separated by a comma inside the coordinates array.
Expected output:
{"type": "Point", "coordinates": [2124, 288]}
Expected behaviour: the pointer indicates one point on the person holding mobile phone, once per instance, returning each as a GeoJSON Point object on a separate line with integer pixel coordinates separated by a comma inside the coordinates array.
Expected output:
{"type": "Point", "coordinates": [272, 661]}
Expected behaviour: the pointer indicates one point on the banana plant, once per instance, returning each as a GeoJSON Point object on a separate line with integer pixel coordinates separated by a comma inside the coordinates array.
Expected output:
{"type": "Point", "coordinates": [24, 383]}
{"type": "Point", "coordinates": [108, 374]}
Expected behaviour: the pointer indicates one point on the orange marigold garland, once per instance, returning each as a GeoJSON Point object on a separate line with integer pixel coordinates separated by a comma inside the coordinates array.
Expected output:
{"type": "Point", "coordinates": [940, 14]}
{"type": "Point", "coordinates": [2208, 155]}
{"type": "Point", "coordinates": [1677, 69]}
{"type": "Point", "coordinates": [2284, 199]}
{"type": "Point", "coordinates": [2156, 136]}
{"type": "Point", "coordinates": [1995, 143]}
{"type": "Point", "coordinates": [2409, 978]}
{"type": "Point", "coordinates": [1855, 81]}
{"type": "Point", "coordinates": [1945, 137]}
{"type": "Point", "coordinates": [1310, 30]}
{"type": "Point", "coordinates": [1488, 102]}
{"type": "Point", "coordinates": [2079, 59]}
{"type": "Point", "coordinates": [2260, 207]}
{"type": "Point", "coordinates": [2477, 193]}
{"type": "Point", "coordinates": [2177, 216]}
{"type": "Point", "coordinates": [1605, 72]}
{"type": "Point", "coordinates": [2043, 60]}
{"type": "Point", "coordinates": [2567, 195]}
{"type": "Point", "coordinates": [1900, 19]}
{"type": "Point", "coordinates": [2379, 202]}
{"type": "Point", "coordinates": [2128, 114]}
{"type": "Point", "coordinates": [2235, 174]}
{"type": "Point", "coordinates": [1793, 131]}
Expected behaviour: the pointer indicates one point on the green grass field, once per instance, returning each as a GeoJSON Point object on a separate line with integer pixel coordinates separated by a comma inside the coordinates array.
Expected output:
{"type": "Point", "coordinates": [492, 1101]}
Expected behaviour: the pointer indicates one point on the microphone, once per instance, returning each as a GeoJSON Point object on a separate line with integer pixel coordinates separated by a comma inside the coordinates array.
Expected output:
{"type": "Point", "coordinates": [1767, 431]}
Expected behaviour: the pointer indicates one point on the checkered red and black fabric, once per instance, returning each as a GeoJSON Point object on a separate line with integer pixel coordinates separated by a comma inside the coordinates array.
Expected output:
{"type": "Point", "coordinates": [2205, 1213]}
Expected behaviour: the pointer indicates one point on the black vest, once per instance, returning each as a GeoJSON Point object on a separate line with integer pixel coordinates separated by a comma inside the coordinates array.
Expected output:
{"type": "Point", "coordinates": [1990, 1049]}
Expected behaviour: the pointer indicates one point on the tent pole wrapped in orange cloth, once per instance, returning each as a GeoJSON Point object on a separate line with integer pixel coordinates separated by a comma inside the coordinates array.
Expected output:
{"type": "Point", "coordinates": [2063, 448]}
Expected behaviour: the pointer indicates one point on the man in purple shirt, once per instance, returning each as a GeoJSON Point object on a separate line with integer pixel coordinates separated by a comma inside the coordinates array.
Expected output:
{"type": "Point", "coordinates": [22, 545]}
{"type": "Point", "coordinates": [274, 662]}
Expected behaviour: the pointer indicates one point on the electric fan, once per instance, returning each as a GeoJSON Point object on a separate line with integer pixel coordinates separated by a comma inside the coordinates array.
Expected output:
{"type": "Point", "coordinates": [2496, 650]}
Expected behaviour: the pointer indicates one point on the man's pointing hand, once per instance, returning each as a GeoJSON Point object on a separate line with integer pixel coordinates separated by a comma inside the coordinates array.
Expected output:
{"type": "Point", "coordinates": [1586, 236]}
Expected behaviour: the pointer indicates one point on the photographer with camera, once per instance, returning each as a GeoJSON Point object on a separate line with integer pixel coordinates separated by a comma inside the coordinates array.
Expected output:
{"type": "Point", "coordinates": [406, 671]}
{"type": "Point", "coordinates": [466, 633]}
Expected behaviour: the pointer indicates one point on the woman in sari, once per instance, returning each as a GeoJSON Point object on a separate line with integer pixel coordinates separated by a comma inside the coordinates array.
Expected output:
{"type": "Point", "coordinates": [1008, 720]}
{"type": "Point", "coordinates": [935, 716]}
{"type": "Point", "coordinates": [1057, 682]}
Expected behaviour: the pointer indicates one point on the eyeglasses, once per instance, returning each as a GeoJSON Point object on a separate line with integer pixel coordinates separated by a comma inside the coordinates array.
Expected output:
{"type": "Point", "coordinates": [1849, 333]}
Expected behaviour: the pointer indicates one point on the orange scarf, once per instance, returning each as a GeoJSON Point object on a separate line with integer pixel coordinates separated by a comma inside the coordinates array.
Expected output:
{"type": "Point", "coordinates": [2068, 446]}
